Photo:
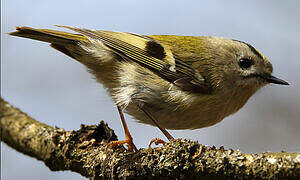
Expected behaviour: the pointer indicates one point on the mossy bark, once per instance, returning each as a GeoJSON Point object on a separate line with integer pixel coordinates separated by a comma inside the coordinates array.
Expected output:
{"type": "Point", "coordinates": [84, 151]}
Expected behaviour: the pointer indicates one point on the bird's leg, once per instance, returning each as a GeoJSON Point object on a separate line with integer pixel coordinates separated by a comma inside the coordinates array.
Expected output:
{"type": "Point", "coordinates": [163, 130]}
{"type": "Point", "coordinates": [128, 137]}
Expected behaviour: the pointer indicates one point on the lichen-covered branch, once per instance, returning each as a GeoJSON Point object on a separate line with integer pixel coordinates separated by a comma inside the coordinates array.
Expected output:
{"type": "Point", "coordinates": [84, 151]}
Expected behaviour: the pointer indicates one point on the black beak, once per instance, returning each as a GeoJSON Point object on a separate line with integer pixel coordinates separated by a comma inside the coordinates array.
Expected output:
{"type": "Point", "coordinates": [275, 80]}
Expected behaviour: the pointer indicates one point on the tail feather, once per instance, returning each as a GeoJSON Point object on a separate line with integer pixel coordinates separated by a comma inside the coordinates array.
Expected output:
{"type": "Point", "coordinates": [59, 40]}
{"type": "Point", "coordinates": [46, 35]}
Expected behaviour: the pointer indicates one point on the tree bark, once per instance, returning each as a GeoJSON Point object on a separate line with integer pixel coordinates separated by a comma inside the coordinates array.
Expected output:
{"type": "Point", "coordinates": [84, 151]}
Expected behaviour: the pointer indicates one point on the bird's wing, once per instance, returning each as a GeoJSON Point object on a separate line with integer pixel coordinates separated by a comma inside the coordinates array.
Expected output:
{"type": "Point", "coordinates": [150, 54]}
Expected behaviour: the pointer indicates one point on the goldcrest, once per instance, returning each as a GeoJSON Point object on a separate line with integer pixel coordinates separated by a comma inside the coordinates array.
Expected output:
{"type": "Point", "coordinates": [183, 82]}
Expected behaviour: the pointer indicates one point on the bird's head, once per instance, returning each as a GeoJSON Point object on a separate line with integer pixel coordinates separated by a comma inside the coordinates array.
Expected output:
{"type": "Point", "coordinates": [236, 64]}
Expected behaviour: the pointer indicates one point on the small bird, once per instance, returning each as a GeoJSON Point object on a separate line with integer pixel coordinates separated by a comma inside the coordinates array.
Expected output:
{"type": "Point", "coordinates": [172, 82]}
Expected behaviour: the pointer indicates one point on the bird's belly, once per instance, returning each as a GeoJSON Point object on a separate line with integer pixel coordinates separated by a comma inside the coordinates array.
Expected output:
{"type": "Point", "coordinates": [172, 107]}
{"type": "Point", "coordinates": [175, 119]}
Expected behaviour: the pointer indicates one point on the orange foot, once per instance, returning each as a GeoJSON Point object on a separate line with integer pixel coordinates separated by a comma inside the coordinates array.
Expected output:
{"type": "Point", "coordinates": [128, 141]}
{"type": "Point", "coordinates": [156, 141]}
{"type": "Point", "coordinates": [131, 147]}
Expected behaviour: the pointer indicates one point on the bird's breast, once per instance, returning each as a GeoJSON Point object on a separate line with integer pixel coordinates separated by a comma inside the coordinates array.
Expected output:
{"type": "Point", "coordinates": [172, 107]}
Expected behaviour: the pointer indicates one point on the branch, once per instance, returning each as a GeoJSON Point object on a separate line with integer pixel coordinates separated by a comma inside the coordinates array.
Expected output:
{"type": "Point", "coordinates": [84, 152]}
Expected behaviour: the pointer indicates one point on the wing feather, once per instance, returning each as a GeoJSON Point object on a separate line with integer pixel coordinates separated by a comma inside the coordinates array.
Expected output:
{"type": "Point", "coordinates": [134, 47]}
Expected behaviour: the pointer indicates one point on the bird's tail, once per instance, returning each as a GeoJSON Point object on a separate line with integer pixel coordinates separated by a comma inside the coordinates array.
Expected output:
{"type": "Point", "coordinates": [47, 35]}
{"type": "Point", "coordinates": [58, 39]}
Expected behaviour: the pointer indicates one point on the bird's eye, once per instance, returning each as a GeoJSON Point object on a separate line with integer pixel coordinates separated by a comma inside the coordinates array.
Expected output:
{"type": "Point", "coordinates": [245, 63]}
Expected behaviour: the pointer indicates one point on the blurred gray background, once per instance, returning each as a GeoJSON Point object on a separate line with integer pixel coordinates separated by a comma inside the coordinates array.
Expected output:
{"type": "Point", "coordinates": [58, 91]}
